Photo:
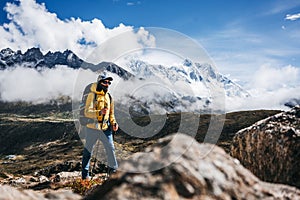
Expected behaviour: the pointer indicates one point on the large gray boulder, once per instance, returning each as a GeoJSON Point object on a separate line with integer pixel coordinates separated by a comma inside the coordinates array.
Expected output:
{"type": "Point", "coordinates": [11, 193]}
{"type": "Point", "coordinates": [197, 171]}
{"type": "Point", "coordinates": [271, 148]}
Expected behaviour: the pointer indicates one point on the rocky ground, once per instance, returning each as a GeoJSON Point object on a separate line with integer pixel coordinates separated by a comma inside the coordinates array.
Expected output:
{"type": "Point", "coordinates": [202, 172]}
{"type": "Point", "coordinates": [39, 142]}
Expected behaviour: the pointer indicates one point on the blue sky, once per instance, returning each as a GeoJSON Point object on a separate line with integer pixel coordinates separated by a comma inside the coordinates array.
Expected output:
{"type": "Point", "coordinates": [252, 42]}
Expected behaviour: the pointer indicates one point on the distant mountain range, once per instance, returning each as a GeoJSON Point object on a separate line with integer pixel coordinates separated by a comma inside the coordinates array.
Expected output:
{"type": "Point", "coordinates": [195, 74]}
{"type": "Point", "coordinates": [34, 58]}
{"type": "Point", "coordinates": [200, 78]}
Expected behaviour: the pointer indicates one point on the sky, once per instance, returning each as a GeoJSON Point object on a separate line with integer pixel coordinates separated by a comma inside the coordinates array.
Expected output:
{"type": "Point", "coordinates": [255, 43]}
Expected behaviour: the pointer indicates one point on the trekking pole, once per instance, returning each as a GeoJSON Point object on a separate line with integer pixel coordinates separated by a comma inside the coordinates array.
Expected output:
{"type": "Point", "coordinates": [115, 132]}
{"type": "Point", "coordinates": [95, 160]}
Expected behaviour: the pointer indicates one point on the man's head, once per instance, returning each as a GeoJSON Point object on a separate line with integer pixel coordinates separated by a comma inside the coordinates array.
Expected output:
{"type": "Point", "coordinates": [103, 82]}
{"type": "Point", "coordinates": [104, 77]}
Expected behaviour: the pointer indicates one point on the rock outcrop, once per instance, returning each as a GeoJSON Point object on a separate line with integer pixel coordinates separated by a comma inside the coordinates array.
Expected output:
{"type": "Point", "coordinates": [197, 171]}
{"type": "Point", "coordinates": [271, 148]}
{"type": "Point", "coordinates": [12, 193]}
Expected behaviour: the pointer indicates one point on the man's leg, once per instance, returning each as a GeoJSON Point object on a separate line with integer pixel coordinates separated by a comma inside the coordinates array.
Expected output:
{"type": "Point", "coordinates": [107, 140]}
{"type": "Point", "coordinates": [91, 138]}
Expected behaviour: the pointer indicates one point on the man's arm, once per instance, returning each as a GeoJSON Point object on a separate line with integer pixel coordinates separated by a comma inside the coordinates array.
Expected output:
{"type": "Point", "coordinates": [112, 118]}
{"type": "Point", "coordinates": [90, 111]}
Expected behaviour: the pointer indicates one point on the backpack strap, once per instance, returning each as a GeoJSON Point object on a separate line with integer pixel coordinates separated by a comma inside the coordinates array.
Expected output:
{"type": "Point", "coordinates": [110, 98]}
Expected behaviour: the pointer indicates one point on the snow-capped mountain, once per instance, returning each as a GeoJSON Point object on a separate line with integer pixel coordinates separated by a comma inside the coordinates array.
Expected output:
{"type": "Point", "coordinates": [173, 88]}
{"type": "Point", "coordinates": [202, 76]}
{"type": "Point", "coordinates": [182, 86]}
{"type": "Point", "coordinates": [34, 58]}
{"type": "Point", "coordinates": [292, 102]}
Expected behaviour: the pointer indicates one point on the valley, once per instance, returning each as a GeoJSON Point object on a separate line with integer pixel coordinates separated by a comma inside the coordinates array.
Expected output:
{"type": "Point", "coordinates": [35, 137]}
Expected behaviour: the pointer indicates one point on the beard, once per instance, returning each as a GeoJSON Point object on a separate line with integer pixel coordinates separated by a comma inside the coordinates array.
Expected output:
{"type": "Point", "coordinates": [101, 87]}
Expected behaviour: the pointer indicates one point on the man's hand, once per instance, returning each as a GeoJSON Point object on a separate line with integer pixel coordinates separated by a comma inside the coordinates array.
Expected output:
{"type": "Point", "coordinates": [115, 127]}
{"type": "Point", "coordinates": [103, 111]}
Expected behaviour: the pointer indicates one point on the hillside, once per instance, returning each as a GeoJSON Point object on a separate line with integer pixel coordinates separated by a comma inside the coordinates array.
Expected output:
{"type": "Point", "coordinates": [42, 136]}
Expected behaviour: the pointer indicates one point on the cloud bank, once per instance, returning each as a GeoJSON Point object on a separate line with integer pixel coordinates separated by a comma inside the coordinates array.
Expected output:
{"type": "Point", "coordinates": [273, 87]}
{"type": "Point", "coordinates": [32, 25]}
{"type": "Point", "coordinates": [27, 84]}
{"type": "Point", "coordinates": [270, 88]}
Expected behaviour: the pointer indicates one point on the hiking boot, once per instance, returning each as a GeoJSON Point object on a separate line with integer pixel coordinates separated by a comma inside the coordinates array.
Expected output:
{"type": "Point", "coordinates": [88, 178]}
{"type": "Point", "coordinates": [111, 171]}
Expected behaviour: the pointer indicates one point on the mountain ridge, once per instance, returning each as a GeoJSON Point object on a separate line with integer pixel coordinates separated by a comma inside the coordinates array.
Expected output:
{"type": "Point", "coordinates": [34, 58]}
{"type": "Point", "coordinates": [184, 84]}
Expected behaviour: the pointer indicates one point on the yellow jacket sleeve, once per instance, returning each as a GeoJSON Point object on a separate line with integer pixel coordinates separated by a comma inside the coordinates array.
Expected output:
{"type": "Point", "coordinates": [90, 107]}
{"type": "Point", "coordinates": [112, 118]}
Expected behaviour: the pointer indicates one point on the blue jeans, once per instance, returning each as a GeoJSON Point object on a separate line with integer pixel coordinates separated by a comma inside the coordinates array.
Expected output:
{"type": "Point", "coordinates": [106, 137]}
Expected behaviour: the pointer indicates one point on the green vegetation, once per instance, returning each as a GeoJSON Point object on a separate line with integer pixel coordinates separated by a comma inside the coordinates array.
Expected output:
{"type": "Point", "coordinates": [82, 187]}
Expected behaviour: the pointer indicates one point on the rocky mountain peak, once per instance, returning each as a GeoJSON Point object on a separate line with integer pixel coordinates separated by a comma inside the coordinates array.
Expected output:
{"type": "Point", "coordinates": [33, 55]}
{"type": "Point", "coordinates": [196, 75]}
{"type": "Point", "coordinates": [187, 62]}
{"type": "Point", "coordinates": [197, 79]}
{"type": "Point", "coordinates": [34, 58]}
{"type": "Point", "coordinates": [4, 53]}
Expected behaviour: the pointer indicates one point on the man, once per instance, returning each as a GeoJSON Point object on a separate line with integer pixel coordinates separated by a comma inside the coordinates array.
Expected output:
{"type": "Point", "coordinates": [99, 107]}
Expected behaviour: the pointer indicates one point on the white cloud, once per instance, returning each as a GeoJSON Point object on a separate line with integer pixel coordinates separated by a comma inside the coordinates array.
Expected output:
{"type": "Point", "coordinates": [270, 88]}
{"type": "Point", "coordinates": [130, 4]}
{"type": "Point", "coordinates": [292, 17]}
{"type": "Point", "coordinates": [264, 99]}
{"type": "Point", "coordinates": [40, 87]}
{"type": "Point", "coordinates": [270, 78]}
{"type": "Point", "coordinates": [32, 25]}
{"type": "Point", "coordinates": [133, 3]}
{"type": "Point", "coordinates": [121, 44]}
{"type": "Point", "coordinates": [240, 52]}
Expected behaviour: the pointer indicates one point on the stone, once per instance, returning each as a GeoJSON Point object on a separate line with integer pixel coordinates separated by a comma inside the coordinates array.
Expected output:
{"type": "Point", "coordinates": [196, 171]}
{"type": "Point", "coordinates": [12, 193]}
{"type": "Point", "coordinates": [271, 148]}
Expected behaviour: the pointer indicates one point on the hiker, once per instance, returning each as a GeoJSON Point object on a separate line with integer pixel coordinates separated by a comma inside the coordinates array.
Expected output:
{"type": "Point", "coordinates": [99, 108]}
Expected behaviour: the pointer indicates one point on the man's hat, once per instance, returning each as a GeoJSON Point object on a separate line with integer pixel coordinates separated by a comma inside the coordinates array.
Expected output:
{"type": "Point", "coordinates": [103, 77]}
